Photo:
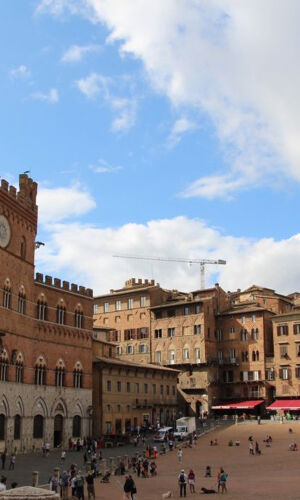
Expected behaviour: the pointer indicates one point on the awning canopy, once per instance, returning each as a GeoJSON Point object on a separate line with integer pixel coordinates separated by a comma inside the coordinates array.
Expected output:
{"type": "Point", "coordinates": [242, 405]}
{"type": "Point", "coordinates": [285, 404]}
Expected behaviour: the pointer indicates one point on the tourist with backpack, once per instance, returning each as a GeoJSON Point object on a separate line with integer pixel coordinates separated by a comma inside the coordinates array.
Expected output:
{"type": "Point", "coordinates": [64, 484]}
{"type": "Point", "coordinates": [182, 479]}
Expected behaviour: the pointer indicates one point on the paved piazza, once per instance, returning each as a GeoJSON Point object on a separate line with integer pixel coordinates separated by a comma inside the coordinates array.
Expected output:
{"type": "Point", "coordinates": [273, 475]}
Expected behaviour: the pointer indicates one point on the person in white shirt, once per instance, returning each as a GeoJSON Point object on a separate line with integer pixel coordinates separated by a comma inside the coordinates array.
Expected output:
{"type": "Point", "coordinates": [179, 455]}
{"type": "Point", "coordinates": [3, 483]}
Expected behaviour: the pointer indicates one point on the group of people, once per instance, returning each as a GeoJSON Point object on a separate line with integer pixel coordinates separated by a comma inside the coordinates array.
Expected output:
{"type": "Point", "coordinates": [189, 479]}
{"type": "Point", "coordinates": [75, 480]}
{"type": "Point", "coordinates": [12, 460]}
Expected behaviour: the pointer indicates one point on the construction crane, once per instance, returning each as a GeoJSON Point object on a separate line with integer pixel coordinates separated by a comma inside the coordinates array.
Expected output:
{"type": "Point", "coordinates": [202, 263]}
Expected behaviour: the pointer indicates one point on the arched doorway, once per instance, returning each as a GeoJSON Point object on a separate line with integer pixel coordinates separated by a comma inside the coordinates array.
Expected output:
{"type": "Point", "coordinates": [58, 430]}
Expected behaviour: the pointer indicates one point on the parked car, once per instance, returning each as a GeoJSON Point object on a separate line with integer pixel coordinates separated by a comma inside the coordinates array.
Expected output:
{"type": "Point", "coordinates": [162, 433]}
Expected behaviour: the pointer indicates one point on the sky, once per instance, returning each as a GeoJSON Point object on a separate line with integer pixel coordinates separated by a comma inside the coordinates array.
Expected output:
{"type": "Point", "coordinates": [158, 129]}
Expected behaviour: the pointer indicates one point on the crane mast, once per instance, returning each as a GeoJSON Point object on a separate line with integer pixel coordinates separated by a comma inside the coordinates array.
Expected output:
{"type": "Point", "coordinates": [202, 263]}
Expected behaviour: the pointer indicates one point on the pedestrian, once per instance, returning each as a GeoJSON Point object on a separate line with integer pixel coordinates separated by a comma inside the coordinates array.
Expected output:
{"type": "Point", "coordinates": [79, 486]}
{"type": "Point", "coordinates": [191, 480]}
{"type": "Point", "coordinates": [3, 483]}
{"type": "Point", "coordinates": [182, 478]}
{"type": "Point", "coordinates": [223, 479]}
{"type": "Point", "coordinates": [128, 487]}
{"type": "Point", "coordinates": [3, 458]}
{"type": "Point", "coordinates": [251, 448]}
{"type": "Point", "coordinates": [63, 456]}
{"type": "Point", "coordinates": [64, 483]}
{"type": "Point", "coordinates": [47, 449]}
{"type": "Point", "coordinates": [171, 444]}
{"type": "Point", "coordinates": [90, 485]}
{"type": "Point", "coordinates": [179, 455]}
{"type": "Point", "coordinates": [12, 462]}
{"type": "Point", "coordinates": [53, 482]}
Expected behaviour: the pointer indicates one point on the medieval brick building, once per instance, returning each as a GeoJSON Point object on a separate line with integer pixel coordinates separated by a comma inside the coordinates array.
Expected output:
{"type": "Point", "coordinates": [46, 337]}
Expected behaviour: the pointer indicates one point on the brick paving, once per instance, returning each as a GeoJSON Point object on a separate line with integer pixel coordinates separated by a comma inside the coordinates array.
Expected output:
{"type": "Point", "coordinates": [273, 475]}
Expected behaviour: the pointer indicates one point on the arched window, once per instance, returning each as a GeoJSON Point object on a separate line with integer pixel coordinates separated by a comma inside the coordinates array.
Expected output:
{"type": "Point", "coordinates": [78, 319]}
{"type": "Point", "coordinates": [38, 426]}
{"type": "Point", "coordinates": [23, 248]}
{"type": "Point", "coordinates": [4, 366]}
{"type": "Point", "coordinates": [61, 315]}
{"type": "Point", "coordinates": [76, 426]}
{"type": "Point", "coordinates": [40, 372]}
{"type": "Point", "coordinates": [19, 368]}
{"type": "Point", "coordinates": [22, 301]}
{"type": "Point", "coordinates": [17, 427]}
{"type": "Point", "coordinates": [60, 374]}
{"type": "Point", "coordinates": [77, 376]}
{"type": "Point", "coordinates": [41, 309]}
{"type": "Point", "coordinates": [2, 427]}
{"type": "Point", "coordinates": [7, 297]}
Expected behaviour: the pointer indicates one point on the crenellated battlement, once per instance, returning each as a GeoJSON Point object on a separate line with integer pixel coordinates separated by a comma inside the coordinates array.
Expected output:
{"type": "Point", "coordinates": [65, 285]}
{"type": "Point", "coordinates": [27, 193]}
{"type": "Point", "coordinates": [139, 282]}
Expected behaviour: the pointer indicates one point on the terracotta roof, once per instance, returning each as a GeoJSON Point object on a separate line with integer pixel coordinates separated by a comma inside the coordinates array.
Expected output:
{"type": "Point", "coordinates": [130, 364]}
{"type": "Point", "coordinates": [245, 310]}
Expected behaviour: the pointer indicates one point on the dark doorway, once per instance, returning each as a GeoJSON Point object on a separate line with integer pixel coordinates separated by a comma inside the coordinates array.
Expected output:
{"type": "Point", "coordinates": [77, 426]}
{"type": "Point", "coordinates": [17, 427]}
{"type": "Point", "coordinates": [58, 430]}
{"type": "Point", "coordinates": [118, 426]}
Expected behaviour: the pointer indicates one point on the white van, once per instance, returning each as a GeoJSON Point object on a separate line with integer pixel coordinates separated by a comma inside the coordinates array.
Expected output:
{"type": "Point", "coordinates": [161, 433]}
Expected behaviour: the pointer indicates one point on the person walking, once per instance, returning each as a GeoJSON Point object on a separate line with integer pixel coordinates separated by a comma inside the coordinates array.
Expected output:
{"type": "Point", "coordinates": [182, 479]}
{"type": "Point", "coordinates": [251, 448]}
{"type": "Point", "coordinates": [12, 462]}
{"type": "Point", "coordinates": [128, 487]}
{"type": "Point", "coordinates": [90, 485]}
{"type": "Point", "coordinates": [79, 486]}
{"type": "Point", "coordinates": [179, 455]}
{"type": "Point", "coordinates": [191, 481]}
{"type": "Point", "coordinates": [64, 484]}
{"type": "Point", "coordinates": [3, 458]}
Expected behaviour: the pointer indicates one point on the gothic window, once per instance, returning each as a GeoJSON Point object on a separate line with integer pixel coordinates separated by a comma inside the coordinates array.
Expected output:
{"type": "Point", "coordinates": [38, 426]}
{"type": "Point", "coordinates": [4, 366]}
{"type": "Point", "coordinates": [77, 376]}
{"type": "Point", "coordinates": [61, 315]}
{"type": "Point", "coordinates": [19, 368]}
{"type": "Point", "coordinates": [40, 372]}
{"type": "Point", "coordinates": [42, 310]}
{"type": "Point", "coordinates": [78, 319]}
{"type": "Point", "coordinates": [7, 297]}
{"type": "Point", "coordinates": [21, 303]}
{"type": "Point", "coordinates": [60, 374]}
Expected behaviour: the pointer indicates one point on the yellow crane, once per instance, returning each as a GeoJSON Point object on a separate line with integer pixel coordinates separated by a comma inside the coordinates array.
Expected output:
{"type": "Point", "coordinates": [202, 263]}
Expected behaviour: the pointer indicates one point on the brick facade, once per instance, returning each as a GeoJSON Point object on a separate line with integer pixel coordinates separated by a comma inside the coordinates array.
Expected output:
{"type": "Point", "coordinates": [47, 329]}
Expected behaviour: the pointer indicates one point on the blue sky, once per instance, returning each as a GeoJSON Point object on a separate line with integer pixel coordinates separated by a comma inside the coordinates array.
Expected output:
{"type": "Point", "coordinates": [165, 130]}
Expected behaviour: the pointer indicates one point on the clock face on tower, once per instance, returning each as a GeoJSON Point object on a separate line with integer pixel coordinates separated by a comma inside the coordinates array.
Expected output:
{"type": "Point", "coordinates": [4, 231]}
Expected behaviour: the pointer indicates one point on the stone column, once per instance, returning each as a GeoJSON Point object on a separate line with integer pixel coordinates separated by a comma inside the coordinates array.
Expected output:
{"type": "Point", "coordinates": [35, 479]}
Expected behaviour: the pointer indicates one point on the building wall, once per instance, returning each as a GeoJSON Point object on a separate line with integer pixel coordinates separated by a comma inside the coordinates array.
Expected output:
{"type": "Point", "coordinates": [28, 341]}
{"type": "Point", "coordinates": [135, 318]}
{"type": "Point", "coordinates": [287, 354]}
{"type": "Point", "coordinates": [124, 406]}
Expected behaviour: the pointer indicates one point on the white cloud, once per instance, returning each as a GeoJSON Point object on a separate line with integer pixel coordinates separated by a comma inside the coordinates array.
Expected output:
{"type": "Point", "coordinates": [84, 252]}
{"type": "Point", "coordinates": [96, 85]}
{"type": "Point", "coordinates": [180, 127]}
{"type": "Point", "coordinates": [76, 53]}
{"type": "Point", "coordinates": [103, 167]}
{"type": "Point", "coordinates": [235, 62]}
{"type": "Point", "coordinates": [22, 72]}
{"type": "Point", "coordinates": [52, 96]}
{"type": "Point", "coordinates": [57, 204]}
{"type": "Point", "coordinates": [60, 7]}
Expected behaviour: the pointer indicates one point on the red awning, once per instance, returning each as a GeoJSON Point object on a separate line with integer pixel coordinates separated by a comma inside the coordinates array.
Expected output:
{"type": "Point", "coordinates": [242, 405]}
{"type": "Point", "coordinates": [285, 404]}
